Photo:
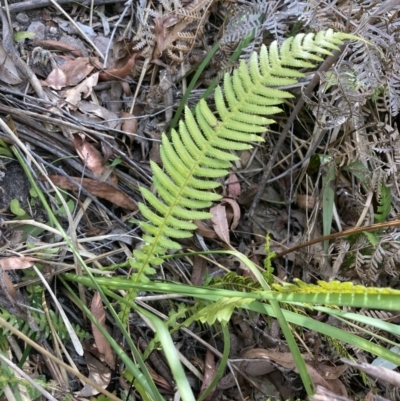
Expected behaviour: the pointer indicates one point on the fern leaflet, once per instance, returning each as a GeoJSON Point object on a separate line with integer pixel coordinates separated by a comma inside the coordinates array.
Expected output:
{"type": "Point", "coordinates": [202, 149]}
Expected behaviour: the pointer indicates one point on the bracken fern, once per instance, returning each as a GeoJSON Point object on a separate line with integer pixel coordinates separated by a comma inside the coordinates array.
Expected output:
{"type": "Point", "coordinates": [202, 149]}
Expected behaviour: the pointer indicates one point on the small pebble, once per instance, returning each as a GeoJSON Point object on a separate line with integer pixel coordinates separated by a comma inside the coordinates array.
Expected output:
{"type": "Point", "coordinates": [53, 30]}
{"type": "Point", "coordinates": [22, 18]}
{"type": "Point", "coordinates": [38, 29]}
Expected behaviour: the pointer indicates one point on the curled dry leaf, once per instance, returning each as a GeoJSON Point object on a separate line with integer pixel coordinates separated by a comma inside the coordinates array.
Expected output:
{"type": "Point", "coordinates": [98, 373]}
{"type": "Point", "coordinates": [121, 70]}
{"type": "Point", "coordinates": [84, 89]}
{"type": "Point", "coordinates": [110, 117]}
{"type": "Point", "coordinates": [305, 201]}
{"type": "Point", "coordinates": [233, 185]}
{"type": "Point", "coordinates": [89, 155]}
{"type": "Point", "coordinates": [198, 271]}
{"type": "Point", "coordinates": [130, 123]}
{"type": "Point", "coordinates": [220, 222]}
{"type": "Point", "coordinates": [322, 394]}
{"type": "Point", "coordinates": [8, 70]}
{"type": "Point", "coordinates": [7, 285]}
{"type": "Point", "coordinates": [209, 373]}
{"type": "Point", "coordinates": [204, 230]}
{"type": "Point", "coordinates": [16, 262]}
{"type": "Point", "coordinates": [104, 347]}
{"type": "Point", "coordinates": [233, 218]}
{"type": "Point", "coordinates": [59, 46]}
{"type": "Point", "coordinates": [96, 188]}
{"type": "Point", "coordinates": [70, 73]}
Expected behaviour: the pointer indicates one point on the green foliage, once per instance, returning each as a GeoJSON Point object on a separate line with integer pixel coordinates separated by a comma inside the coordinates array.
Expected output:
{"type": "Point", "coordinates": [232, 281]}
{"type": "Point", "coordinates": [221, 310]}
{"type": "Point", "coordinates": [16, 208]}
{"type": "Point", "coordinates": [269, 270]}
{"type": "Point", "coordinates": [332, 287]}
{"type": "Point", "coordinates": [201, 151]}
{"type": "Point", "coordinates": [43, 325]}
{"type": "Point", "coordinates": [385, 204]}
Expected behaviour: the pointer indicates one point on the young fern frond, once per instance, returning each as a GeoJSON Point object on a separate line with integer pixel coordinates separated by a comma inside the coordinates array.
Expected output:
{"type": "Point", "coordinates": [202, 149]}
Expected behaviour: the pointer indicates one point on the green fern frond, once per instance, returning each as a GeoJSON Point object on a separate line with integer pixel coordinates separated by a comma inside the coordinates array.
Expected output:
{"type": "Point", "coordinates": [332, 287]}
{"type": "Point", "coordinates": [385, 204]}
{"type": "Point", "coordinates": [202, 150]}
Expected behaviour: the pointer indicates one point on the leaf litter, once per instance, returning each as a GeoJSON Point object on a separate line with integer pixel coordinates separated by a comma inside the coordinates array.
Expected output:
{"type": "Point", "coordinates": [117, 113]}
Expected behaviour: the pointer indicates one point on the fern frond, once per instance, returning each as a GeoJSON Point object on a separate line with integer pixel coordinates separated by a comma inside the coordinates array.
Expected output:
{"type": "Point", "coordinates": [203, 147]}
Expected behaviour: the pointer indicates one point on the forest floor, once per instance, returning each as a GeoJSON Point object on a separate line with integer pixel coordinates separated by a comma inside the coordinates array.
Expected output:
{"type": "Point", "coordinates": [90, 92]}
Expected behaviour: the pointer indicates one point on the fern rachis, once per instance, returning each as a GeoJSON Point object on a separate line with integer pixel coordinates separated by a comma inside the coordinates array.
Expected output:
{"type": "Point", "coordinates": [202, 148]}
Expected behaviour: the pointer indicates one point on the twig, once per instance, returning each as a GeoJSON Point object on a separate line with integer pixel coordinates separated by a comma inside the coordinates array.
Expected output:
{"type": "Point", "coordinates": [352, 231]}
{"type": "Point", "coordinates": [84, 36]}
{"type": "Point", "coordinates": [34, 4]}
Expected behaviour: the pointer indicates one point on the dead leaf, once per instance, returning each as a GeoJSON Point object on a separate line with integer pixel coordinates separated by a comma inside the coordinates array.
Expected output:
{"type": "Point", "coordinates": [233, 185]}
{"type": "Point", "coordinates": [98, 372]}
{"type": "Point", "coordinates": [130, 123]}
{"type": "Point", "coordinates": [96, 188]}
{"type": "Point", "coordinates": [198, 271]}
{"type": "Point", "coordinates": [16, 262]}
{"type": "Point", "coordinates": [165, 36]}
{"type": "Point", "coordinates": [284, 359]}
{"type": "Point", "coordinates": [204, 230]}
{"type": "Point", "coordinates": [322, 394]}
{"type": "Point", "coordinates": [220, 222]}
{"type": "Point", "coordinates": [84, 89]}
{"type": "Point", "coordinates": [104, 347]}
{"type": "Point", "coordinates": [59, 46]}
{"type": "Point", "coordinates": [89, 155]}
{"type": "Point", "coordinates": [233, 218]}
{"type": "Point", "coordinates": [9, 287]}
{"type": "Point", "coordinates": [121, 70]}
{"type": "Point", "coordinates": [8, 70]}
{"type": "Point", "coordinates": [70, 73]}
{"type": "Point", "coordinates": [305, 201]}
{"type": "Point", "coordinates": [209, 374]}
{"type": "Point", "coordinates": [110, 117]}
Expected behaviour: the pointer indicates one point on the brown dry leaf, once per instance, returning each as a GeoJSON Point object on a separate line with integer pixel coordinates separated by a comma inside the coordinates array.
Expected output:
{"type": "Point", "coordinates": [204, 230]}
{"type": "Point", "coordinates": [322, 394]}
{"type": "Point", "coordinates": [198, 271]}
{"type": "Point", "coordinates": [220, 222]}
{"type": "Point", "coordinates": [59, 46]}
{"type": "Point", "coordinates": [84, 89]}
{"type": "Point", "coordinates": [209, 373]}
{"type": "Point", "coordinates": [159, 380]}
{"type": "Point", "coordinates": [9, 287]}
{"type": "Point", "coordinates": [104, 347]}
{"type": "Point", "coordinates": [164, 36]}
{"type": "Point", "coordinates": [57, 79]}
{"type": "Point", "coordinates": [8, 70]}
{"type": "Point", "coordinates": [94, 109]}
{"type": "Point", "coordinates": [305, 201]}
{"type": "Point", "coordinates": [130, 123]}
{"type": "Point", "coordinates": [70, 73]}
{"type": "Point", "coordinates": [331, 372]}
{"type": "Point", "coordinates": [89, 155]}
{"type": "Point", "coordinates": [99, 373]}
{"type": "Point", "coordinates": [284, 359]}
{"type": "Point", "coordinates": [234, 217]}
{"type": "Point", "coordinates": [97, 188]}
{"type": "Point", "coordinates": [233, 185]}
{"type": "Point", "coordinates": [121, 69]}
{"type": "Point", "coordinates": [16, 262]}
{"type": "Point", "coordinates": [256, 364]}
